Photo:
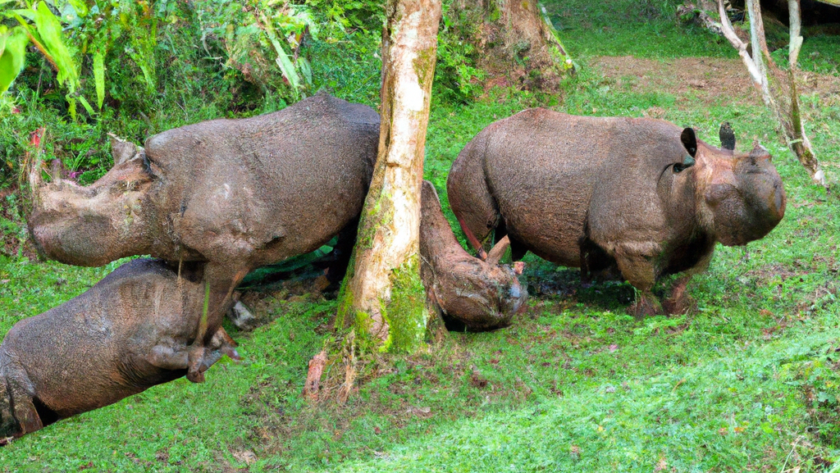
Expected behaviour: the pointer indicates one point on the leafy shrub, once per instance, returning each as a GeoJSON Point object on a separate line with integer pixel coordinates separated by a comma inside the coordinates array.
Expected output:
{"type": "Point", "coordinates": [155, 65]}
{"type": "Point", "coordinates": [457, 77]}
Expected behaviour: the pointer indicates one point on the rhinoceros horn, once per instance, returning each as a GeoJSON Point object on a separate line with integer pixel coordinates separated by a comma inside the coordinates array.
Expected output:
{"type": "Point", "coordinates": [759, 152]}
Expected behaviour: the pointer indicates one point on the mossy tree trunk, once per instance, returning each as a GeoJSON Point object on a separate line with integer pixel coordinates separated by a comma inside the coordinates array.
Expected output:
{"type": "Point", "coordinates": [382, 295]}
{"type": "Point", "coordinates": [515, 40]}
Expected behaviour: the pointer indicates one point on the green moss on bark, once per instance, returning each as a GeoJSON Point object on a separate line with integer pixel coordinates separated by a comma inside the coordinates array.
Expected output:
{"type": "Point", "coordinates": [406, 313]}
{"type": "Point", "coordinates": [381, 214]}
{"type": "Point", "coordinates": [345, 295]}
{"type": "Point", "coordinates": [424, 64]}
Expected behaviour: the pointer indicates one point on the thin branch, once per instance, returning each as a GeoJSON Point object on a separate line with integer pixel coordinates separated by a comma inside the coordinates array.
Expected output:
{"type": "Point", "coordinates": [729, 32]}
{"type": "Point", "coordinates": [757, 35]}
{"type": "Point", "coordinates": [795, 37]}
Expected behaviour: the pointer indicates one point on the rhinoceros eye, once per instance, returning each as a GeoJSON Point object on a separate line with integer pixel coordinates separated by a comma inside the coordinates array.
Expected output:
{"type": "Point", "coordinates": [147, 165]}
{"type": "Point", "coordinates": [688, 161]}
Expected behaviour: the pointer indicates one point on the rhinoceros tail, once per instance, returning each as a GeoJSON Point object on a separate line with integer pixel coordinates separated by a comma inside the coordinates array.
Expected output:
{"type": "Point", "coordinates": [469, 196]}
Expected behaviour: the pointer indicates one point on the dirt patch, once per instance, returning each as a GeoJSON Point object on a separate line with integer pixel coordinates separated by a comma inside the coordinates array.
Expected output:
{"type": "Point", "coordinates": [706, 78]}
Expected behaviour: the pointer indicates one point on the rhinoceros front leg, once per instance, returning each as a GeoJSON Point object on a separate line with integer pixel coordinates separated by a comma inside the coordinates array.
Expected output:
{"type": "Point", "coordinates": [171, 356]}
{"type": "Point", "coordinates": [678, 302]}
{"type": "Point", "coordinates": [637, 264]}
{"type": "Point", "coordinates": [219, 285]}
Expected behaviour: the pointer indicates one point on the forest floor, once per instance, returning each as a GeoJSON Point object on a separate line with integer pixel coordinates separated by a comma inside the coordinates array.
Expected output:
{"type": "Point", "coordinates": [746, 382]}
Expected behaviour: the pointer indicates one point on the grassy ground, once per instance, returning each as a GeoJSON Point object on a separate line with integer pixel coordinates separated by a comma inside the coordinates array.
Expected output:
{"type": "Point", "coordinates": [745, 383]}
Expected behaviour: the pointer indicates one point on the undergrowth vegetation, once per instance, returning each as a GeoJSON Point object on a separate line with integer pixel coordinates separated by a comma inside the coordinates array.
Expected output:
{"type": "Point", "coordinates": [746, 382]}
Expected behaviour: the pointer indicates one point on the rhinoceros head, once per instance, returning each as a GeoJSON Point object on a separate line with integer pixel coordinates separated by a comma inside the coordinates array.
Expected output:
{"type": "Point", "coordinates": [741, 193]}
{"type": "Point", "coordinates": [97, 224]}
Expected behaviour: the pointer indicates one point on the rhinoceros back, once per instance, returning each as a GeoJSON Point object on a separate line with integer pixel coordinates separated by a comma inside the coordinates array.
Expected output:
{"type": "Point", "coordinates": [92, 350]}
{"type": "Point", "coordinates": [275, 185]}
{"type": "Point", "coordinates": [543, 169]}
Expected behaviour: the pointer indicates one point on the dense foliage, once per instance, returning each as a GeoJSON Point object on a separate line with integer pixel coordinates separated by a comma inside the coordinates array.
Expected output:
{"type": "Point", "coordinates": [156, 65]}
{"type": "Point", "coordinates": [142, 67]}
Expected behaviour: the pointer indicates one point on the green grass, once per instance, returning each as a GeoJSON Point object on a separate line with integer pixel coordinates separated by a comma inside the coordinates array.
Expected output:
{"type": "Point", "coordinates": [646, 28]}
{"type": "Point", "coordinates": [745, 383]}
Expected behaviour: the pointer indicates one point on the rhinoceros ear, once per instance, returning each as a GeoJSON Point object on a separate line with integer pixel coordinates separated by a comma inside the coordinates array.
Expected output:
{"type": "Point", "coordinates": [123, 150]}
{"type": "Point", "coordinates": [689, 140]}
{"type": "Point", "coordinates": [727, 136]}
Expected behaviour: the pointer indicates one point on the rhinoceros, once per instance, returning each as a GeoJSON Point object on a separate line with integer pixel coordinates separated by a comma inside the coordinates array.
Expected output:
{"type": "Point", "coordinates": [237, 194]}
{"type": "Point", "coordinates": [480, 294]}
{"type": "Point", "coordinates": [634, 198]}
{"type": "Point", "coordinates": [129, 332]}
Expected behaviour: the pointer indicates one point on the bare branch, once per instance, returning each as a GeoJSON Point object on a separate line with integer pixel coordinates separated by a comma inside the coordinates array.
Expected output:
{"type": "Point", "coordinates": [728, 31]}
{"type": "Point", "coordinates": [759, 44]}
{"type": "Point", "coordinates": [795, 27]}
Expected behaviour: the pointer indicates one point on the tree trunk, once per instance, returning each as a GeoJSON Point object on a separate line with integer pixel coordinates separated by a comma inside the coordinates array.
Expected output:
{"type": "Point", "coordinates": [382, 294]}
{"type": "Point", "coordinates": [515, 40]}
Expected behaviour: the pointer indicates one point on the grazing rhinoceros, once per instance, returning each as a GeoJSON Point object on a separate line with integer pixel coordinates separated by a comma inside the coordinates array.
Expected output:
{"type": "Point", "coordinates": [129, 332]}
{"type": "Point", "coordinates": [237, 194]}
{"type": "Point", "coordinates": [480, 294]}
{"type": "Point", "coordinates": [635, 195]}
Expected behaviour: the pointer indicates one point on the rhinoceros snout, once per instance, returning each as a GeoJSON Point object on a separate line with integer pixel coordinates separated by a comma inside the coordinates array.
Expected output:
{"type": "Point", "coordinates": [72, 241]}
{"type": "Point", "coordinates": [750, 210]}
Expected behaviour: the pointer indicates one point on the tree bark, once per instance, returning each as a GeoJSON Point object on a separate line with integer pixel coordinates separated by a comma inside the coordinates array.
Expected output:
{"type": "Point", "coordinates": [780, 94]}
{"type": "Point", "coordinates": [516, 39]}
{"type": "Point", "coordinates": [382, 294]}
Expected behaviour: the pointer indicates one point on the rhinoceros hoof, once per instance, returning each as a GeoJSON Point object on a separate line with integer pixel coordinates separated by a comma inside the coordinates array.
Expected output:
{"type": "Point", "coordinates": [645, 306]}
{"type": "Point", "coordinates": [194, 369]}
{"type": "Point", "coordinates": [679, 305]}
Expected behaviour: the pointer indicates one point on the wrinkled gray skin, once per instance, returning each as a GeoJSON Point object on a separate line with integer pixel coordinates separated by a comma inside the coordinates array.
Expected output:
{"type": "Point", "coordinates": [617, 197]}
{"type": "Point", "coordinates": [237, 194]}
{"type": "Point", "coordinates": [480, 294]}
{"type": "Point", "coordinates": [129, 332]}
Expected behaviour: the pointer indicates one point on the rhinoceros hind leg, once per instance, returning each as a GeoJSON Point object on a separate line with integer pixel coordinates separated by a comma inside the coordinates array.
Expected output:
{"type": "Point", "coordinates": [341, 253]}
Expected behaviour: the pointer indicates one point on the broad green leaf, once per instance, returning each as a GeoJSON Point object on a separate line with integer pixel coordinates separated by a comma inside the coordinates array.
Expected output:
{"type": "Point", "coordinates": [12, 58]}
{"type": "Point", "coordinates": [70, 17]}
{"type": "Point", "coordinates": [4, 33]}
{"type": "Point", "coordinates": [283, 61]}
{"type": "Point", "coordinates": [99, 77]}
{"type": "Point", "coordinates": [86, 105]}
{"type": "Point", "coordinates": [49, 27]}
{"type": "Point", "coordinates": [147, 75]}
{"type": "Point", "coordinates": [71, 106]}
{"type": "Point", "coordinates": [305, 69]}
{"type": "Point", "coordinates": [80, 6]}
{"type": "Point", "coordinates": [24, 13]}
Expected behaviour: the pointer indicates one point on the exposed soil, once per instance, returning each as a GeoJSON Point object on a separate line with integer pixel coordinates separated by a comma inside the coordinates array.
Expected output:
{"type": "Point", "coordinates": [708, 79]}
